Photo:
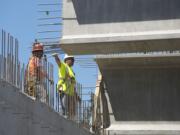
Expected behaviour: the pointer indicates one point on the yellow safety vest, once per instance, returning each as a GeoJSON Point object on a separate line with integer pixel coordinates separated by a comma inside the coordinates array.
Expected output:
{"type": "Point", "coordinates": [66, 79]}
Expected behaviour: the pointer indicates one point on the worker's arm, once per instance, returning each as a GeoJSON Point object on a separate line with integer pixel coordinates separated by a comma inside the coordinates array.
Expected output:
{"type": "Point", "coordinates": [58, 61]}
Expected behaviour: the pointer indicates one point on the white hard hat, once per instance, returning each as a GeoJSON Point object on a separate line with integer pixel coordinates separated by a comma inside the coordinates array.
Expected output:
{"type": "Point", "coordinates": [66, 56]}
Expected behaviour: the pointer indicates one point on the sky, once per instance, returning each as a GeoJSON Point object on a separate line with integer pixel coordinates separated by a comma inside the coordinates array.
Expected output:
{"type": "Point", "coordinates": [20, 19]}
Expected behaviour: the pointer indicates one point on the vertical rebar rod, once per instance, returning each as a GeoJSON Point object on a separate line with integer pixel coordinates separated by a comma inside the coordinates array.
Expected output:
{"type": "Point", "coordinates": [57, 100]}
{"type": "Point", "coordinates": [48, 80]}
{"type": "Point", "coordinates": [18, 72]}
{"type": "Point", "coordinates": [23, 77]}
{"type": "Point", "coordinates": [11, 59]}
{"type": "Point", "coordinates": [47, 91]}
{"type": "Point", "coordinates": [52, 85]}
{"type": "Point", "coordinates": [4, 62]}
{"type": "Point", "coordinates": [15, 64]}
{"type": "Point", "coordinates": [12, 51]}
{"type": "Point", "coordinates": [49, 84]}
{"type": "Point", "coordinates": [52, 92]}
{"type": "Point", "coordinates": [17, 60]}
{"type": "Point", "coordinates": [44, 78]}
{"type": "Point", "coordinates": [7, 61]}
{"type": "Point", "coordinates": [3, 54]}
{"type": "Point", "coordinates": [0, 54]}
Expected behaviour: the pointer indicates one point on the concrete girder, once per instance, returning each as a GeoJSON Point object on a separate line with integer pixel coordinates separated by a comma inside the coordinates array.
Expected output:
{"type": "Point", "coordinates": [143, 87]}
{"type": "Point", "coordinates": [98, 46]}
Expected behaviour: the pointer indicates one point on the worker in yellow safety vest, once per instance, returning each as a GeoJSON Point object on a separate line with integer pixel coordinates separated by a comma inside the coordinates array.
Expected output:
{"type": "Point", "coordinates": [67, 81]}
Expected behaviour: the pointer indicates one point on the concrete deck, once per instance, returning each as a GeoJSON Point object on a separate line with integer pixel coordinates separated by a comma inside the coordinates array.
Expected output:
{"type": "Point", "coordinates": [21, 115]}
{"type": "Point", "coordinates": [145, 128]}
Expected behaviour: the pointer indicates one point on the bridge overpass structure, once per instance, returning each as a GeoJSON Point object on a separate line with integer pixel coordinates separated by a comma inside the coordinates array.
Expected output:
{"type": "Point", "coordinates": [137, 48]}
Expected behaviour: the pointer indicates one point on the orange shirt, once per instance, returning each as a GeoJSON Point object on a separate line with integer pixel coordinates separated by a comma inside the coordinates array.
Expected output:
{"type": "Point", "coordinates": [35, 68]}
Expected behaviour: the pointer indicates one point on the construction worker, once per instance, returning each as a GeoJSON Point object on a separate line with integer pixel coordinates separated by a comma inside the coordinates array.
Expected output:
{"type": "Point", "coordinates": [35, 75]}
{"type": "Point", "coordinates": [66, 83]}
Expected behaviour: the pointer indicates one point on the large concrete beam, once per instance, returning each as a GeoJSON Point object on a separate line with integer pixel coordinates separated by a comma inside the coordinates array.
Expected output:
{"type": "Point", "coordinates": [96, 46]}
{"type": "Point", "coordinates": [143, 87]}
{"type": "Point", "coordinates": [138, 60]}
{"type": "Point", "coordinates": [91, 27]}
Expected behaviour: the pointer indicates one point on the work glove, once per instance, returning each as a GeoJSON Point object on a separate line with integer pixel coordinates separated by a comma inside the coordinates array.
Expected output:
{"type": "Point", "coordinates": [60, 90]}
{"type": "Point", "coordinates": [55, 54]}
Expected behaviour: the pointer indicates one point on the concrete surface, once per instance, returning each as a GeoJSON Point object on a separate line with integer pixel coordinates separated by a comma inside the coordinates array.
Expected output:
{"type": "Point", "coordinates": [21, 115]}
{"type": "Point", "coordinates": [143, 88]}
{"type": "Point", "coordinates": [91, 27]}
{"type": "Point", "coordinates": [144, 128]}
{"type": "Point", "coordinates": [143, 93]}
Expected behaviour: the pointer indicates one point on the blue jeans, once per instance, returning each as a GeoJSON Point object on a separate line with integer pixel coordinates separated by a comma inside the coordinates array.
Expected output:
{"type": "Point", "coordinates": [63, 100]}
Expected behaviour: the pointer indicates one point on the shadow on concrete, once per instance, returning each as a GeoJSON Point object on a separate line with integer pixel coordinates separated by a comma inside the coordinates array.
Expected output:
{"type": "Point", "coordinates": [106, 11]}
{"type": "Point", "coordinates": [144, 94]}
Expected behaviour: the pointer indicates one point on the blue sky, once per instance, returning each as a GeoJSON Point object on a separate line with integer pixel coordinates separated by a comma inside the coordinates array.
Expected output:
{"type": "Point", "coordinates": [19, 17]}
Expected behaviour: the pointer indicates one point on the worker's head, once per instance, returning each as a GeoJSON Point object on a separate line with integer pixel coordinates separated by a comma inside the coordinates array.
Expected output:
{"type": "Point", "coordinates": [37, 49]}
{"type": "Point", "coordinates": [69, 60]}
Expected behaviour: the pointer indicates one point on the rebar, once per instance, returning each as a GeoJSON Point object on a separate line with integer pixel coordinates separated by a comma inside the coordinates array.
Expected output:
{"type": "Point", "coordinates": [48, 31]}
{"type": "Point", "coordinates": [44, 11]}
{"type": "Point", "coordinates": [49, 18]}
{"type": "Point", "coordinates": [50, 4]}
{"type": "Point", "coordinates": [48, 38]}
{"type": "Point", "coordinates": [50, 24]}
